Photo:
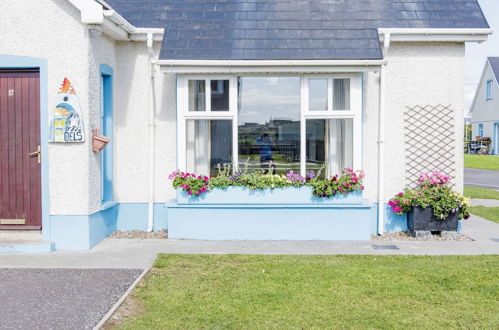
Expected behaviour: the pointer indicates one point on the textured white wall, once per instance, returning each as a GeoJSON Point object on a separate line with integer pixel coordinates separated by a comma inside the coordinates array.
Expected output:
{"type": "Point", "coordinates": [51, 29]}
{"type": "Point", "coordinates": [421, 74]}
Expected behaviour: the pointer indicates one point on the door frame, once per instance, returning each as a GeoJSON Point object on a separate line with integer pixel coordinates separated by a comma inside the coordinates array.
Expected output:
{"type": "Point", "coordinates": [22, 62]}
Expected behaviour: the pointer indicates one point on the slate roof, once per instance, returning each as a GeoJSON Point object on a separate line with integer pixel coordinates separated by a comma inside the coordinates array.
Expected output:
{"type": "Point", "coordinates": [494, 64]}
{"type": "Point", "coordinates": [289, 29]}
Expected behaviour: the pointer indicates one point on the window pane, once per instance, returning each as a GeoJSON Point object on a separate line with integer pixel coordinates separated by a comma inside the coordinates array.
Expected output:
{"type": "Point", "coordinates": [317, 94]}
{"type": "Point", "coordinates": [329, 145]}
{"type": "Point", "coordinates": [209, 145]}
{"type": "Point", "coordinates": [197, 95]}
{"type": "Point", "coordinates": [219, 95]}
{"type": "Point", "coordinates": [269, 124]}
{"type": "Point", "coordinates": [341, 94]}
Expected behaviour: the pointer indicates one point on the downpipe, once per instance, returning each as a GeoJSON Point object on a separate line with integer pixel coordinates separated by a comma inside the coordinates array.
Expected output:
{"type": "Point", "coordinates": [150, 204]}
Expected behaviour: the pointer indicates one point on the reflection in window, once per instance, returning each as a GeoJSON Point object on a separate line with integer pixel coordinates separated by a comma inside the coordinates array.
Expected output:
{"type": "Point", "coordinates": [329, 145]}
{"type": "Point", "coordinates": [341, 94]}
{"type": "Point", "coordinates": [209, 144]}
{"type": "Point", "coordinates": [197, 95]}
{"type": "Point", "coordinates": [269, 124]}
{"type": "Point", "coordinates": [219, 95]}
{"type": "Point", "coordinates": [317, 94]}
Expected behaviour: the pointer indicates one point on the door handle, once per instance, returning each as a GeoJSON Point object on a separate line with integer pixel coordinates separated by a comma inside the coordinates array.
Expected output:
{"type": "Point", "coordinates": [37, 153]}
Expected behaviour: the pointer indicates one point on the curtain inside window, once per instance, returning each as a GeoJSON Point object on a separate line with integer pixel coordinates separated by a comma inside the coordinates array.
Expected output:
{"type": "Point", "coordinates": [341, 94]}
{"type": "Point", "coordinates": [209, 145]}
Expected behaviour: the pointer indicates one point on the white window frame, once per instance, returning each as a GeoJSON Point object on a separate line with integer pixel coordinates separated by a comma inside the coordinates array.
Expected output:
{"type": "Point", "coordinates": [354, 113]}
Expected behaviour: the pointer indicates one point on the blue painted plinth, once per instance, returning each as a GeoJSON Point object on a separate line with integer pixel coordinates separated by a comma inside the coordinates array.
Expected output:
{"type": "Point", "coordinates": [270, 222]}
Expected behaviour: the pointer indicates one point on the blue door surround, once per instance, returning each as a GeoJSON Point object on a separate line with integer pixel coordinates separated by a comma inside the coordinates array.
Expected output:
{"type": "Point", "coordinates": [107, 190]}
{"type": "Point", "coordinates": [22, 62]}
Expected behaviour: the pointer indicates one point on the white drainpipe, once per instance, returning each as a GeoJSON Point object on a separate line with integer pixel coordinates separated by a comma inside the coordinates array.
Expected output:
{"type": "Point", "coordinates": [381, 142]}
{"type": "Point", "coordinates": [150, 213]}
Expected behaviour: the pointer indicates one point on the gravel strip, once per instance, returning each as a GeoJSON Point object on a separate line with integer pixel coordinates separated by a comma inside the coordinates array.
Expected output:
{"type": "Point", "coordinates": [60, 298]}
{"type": "Point", "coordinates": [139, 234]}
{"type": "Point", "coordinates": [403, 236]}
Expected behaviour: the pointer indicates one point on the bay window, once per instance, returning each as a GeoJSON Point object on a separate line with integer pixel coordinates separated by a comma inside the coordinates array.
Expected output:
{"type": "Point", "coordinates": [269, 123]}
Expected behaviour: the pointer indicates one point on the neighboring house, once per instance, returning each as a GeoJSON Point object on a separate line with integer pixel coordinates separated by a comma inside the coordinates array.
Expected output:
{"type": "Point", "coordinates": [191, 84]}
{"type": "Point", "coordinates": [485, 107]}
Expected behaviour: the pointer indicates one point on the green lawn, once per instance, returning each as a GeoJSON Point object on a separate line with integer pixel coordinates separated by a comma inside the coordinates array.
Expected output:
{"type": "Point", "coordinates": [303, 292]}
{"type": "Point", "coordinates": [489, 213]}
{"type": "Point", "coordinates": [473, 192]}
{"type": "Point", "coordinates": [481, 161]}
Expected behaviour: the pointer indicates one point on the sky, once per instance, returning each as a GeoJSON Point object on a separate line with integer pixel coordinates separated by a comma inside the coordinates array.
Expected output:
{"type": "Point", "coordinates": [476, 54]}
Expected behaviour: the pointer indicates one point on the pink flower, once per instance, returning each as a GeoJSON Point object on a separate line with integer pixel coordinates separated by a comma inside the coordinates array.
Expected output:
{"type": "Point", "coordinates": [406, 201]}
{"type": "Point", "coordinates": [400, 194]}
{"type": "Point", "coordinates": [187, 187]}
{"type": "Point", "coordinates": [206, 179]}
{"type": "Point", "coordinates": [397, 209]}
{"type": "Point", "coordinates": [390, 203]}
{"type": "Point", "coordinates": [395, 202]}
{"type": "Point", "coordinates": [362, 188]}
{"type": "Point", "coordinates": [189, 192]}
{"type": "Point", "coordinates": [173, 175]}
{"type": "Point", "coordinates": [198, 192]}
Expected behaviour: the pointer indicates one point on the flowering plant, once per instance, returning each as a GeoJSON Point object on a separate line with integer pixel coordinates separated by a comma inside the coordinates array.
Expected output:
{"type": "Point", "coordinates": [344, 183]}
{"type": "Point", "coordinates": [433, 191]}
{"type": "Point", "coordinates": [194, 185]}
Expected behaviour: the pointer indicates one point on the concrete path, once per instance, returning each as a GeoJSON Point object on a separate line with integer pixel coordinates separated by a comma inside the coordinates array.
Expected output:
{"type": "Point", "coordinates": [481, 178]}
{"type": "Point", "coordinates": [60, 298]}
{"type": "Point", "coordinates": [140, 254]}
{"type": "Point", "coordinates": [485, 202]}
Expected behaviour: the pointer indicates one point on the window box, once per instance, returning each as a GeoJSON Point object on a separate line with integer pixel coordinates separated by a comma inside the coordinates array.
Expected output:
{"type": "Point", "coordinates": [281, 196]}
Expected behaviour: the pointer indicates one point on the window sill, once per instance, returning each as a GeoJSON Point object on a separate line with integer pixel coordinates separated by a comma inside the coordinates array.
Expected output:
{"type": "Point", "coordinates": [107, 205]}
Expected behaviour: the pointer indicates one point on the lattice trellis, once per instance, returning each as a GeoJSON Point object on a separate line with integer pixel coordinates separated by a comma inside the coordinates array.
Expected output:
{"type": "Point", "coordinates": [429, 141]}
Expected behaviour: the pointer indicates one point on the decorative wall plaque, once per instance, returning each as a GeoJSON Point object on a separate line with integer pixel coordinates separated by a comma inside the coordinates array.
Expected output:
{"type": "Point", "coordinates": [67, 122]}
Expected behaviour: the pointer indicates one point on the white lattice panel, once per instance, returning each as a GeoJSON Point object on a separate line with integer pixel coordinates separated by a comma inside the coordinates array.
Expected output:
{"type": "Point", "coordinates": [430, 138]}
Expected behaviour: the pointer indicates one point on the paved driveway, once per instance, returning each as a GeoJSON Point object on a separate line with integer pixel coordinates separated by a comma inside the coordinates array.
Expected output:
{"type": "Point", "coordinates": [481, 178]}
{"type": "Point", "coordinates": [60, 298]}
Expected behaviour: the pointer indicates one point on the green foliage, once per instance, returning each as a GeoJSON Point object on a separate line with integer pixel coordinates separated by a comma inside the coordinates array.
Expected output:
{"type": "Point", "coordinates": [348, 181]}
{"type": "Point", "coordinates": [318, 292]}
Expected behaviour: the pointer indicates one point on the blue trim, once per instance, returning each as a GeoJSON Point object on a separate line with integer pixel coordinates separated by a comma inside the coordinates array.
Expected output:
{"type": "Point", "coordinates": [82, 232]}
{"type": "Point", "coordinates": [133, 216]}
{"type": "Point", "coordinates": [393, 222]}
{"type": "Point", "coordinates": [480, 130]}
{"type": "Point", "coordinates": [107, 190]}
{"type": "Point", "coordinates": [488, 90]}
{"type": "Point", "coordinates": [8, 61]}
{"type": "Point", "coordinates": [495, 146]}
{"type": "Point", "coordinates": [42, 247]}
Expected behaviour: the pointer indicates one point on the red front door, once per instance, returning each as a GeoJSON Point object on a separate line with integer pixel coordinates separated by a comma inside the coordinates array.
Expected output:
{"type": "Point", "coordinates": [20, 177]}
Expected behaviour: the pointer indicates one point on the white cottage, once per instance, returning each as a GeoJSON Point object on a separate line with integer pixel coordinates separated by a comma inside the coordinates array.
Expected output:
{"type": "Point", "coordinates": [484, 110]}
{"type": "Point", "coordinates": [192, 84]}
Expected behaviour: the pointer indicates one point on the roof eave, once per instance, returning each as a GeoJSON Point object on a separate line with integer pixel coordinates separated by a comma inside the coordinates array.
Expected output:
{"type": "Point", "coordinates": [274, 66]}
{"type": "Point", "coordinates": [435, 35]}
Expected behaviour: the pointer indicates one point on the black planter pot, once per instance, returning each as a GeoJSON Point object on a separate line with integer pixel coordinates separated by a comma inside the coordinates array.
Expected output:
{"type": "Point", "coordinates": [422, 219]}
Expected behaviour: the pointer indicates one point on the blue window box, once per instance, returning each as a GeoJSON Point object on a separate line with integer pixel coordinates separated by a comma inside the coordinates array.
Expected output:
{"type": "Point", "coordinates": [288, 195]}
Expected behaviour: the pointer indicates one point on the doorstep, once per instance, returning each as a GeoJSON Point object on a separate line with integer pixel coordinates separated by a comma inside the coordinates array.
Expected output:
{"type": "Point", "coordinates": [24, 241]}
